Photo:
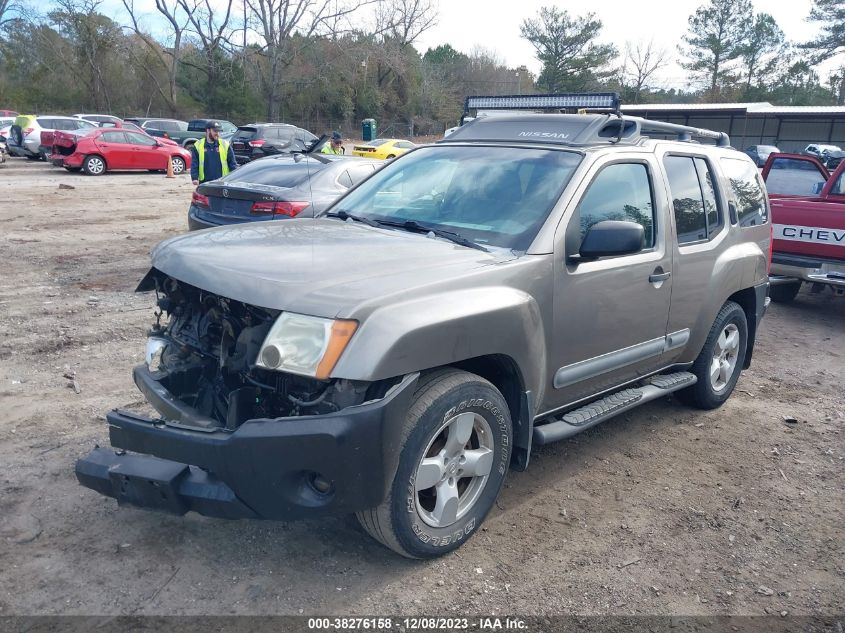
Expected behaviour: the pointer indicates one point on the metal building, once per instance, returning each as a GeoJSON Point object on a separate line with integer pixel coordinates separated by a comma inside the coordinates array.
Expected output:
{"type": "Point", "coordinates": [790, 128]}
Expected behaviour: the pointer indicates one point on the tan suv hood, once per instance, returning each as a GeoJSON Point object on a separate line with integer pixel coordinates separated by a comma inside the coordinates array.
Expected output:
{"type": "Point", "coordinates": [323, 267]}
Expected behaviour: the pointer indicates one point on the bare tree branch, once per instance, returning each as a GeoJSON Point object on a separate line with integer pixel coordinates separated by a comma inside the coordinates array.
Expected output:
{"type": "Point", "coordinates": [645, 60]}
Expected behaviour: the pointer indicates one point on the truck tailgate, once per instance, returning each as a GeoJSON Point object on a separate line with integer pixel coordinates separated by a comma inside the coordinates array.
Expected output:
{"type": "Point", "coordinates": [808, 227]}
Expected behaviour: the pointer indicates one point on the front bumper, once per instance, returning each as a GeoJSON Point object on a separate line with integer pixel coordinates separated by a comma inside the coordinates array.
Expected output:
{"type": "Point", "coordinates": [264, 469]}
{"type": "Point", "coordinates": [787, 268]}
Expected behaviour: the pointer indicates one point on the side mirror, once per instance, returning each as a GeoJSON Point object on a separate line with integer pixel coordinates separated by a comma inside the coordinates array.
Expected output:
{"type": "Point", "coordinates": [612, 237]}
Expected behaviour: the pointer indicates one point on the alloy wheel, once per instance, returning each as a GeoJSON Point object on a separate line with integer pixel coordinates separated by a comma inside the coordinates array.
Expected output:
{"type": "Point", "coordinates": [454, 469]}
{"type": "Point", "coordinates": [96, 165]}
{"type": "Point", "coordinates": [725, 354]}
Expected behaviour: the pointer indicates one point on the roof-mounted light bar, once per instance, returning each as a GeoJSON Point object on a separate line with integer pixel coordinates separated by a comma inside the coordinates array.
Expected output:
{"type": "Point", "coordinates": [587, 101]}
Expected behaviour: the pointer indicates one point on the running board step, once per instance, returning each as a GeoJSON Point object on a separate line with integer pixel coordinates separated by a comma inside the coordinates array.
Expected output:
{"type": "Point", "coordinates": [609, 406]}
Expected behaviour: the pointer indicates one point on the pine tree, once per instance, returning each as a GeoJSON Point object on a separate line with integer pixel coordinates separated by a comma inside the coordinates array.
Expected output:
{"type": "Point", "coordinates": [572, 59]}
{"type": "Point", "coordinates": [716, 39]}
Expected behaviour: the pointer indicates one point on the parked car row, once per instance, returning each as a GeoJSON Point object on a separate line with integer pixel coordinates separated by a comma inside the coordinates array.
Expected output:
{"type": "Point", "coordinates": [829, 155]}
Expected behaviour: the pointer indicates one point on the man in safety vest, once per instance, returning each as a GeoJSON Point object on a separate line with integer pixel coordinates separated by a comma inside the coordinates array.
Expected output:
{"type": "Point", "coordinates": [335, 146]}
{"type": "Point", "coordinates": [211, 157]}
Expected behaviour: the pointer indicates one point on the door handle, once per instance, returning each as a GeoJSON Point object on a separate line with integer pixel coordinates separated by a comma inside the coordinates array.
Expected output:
{"type": "Point", "coordinates": [655, 277]}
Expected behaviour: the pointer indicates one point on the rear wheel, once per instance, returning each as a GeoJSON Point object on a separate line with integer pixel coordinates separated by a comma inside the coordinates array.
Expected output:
{"type": "Point", "coordinates": [94, 165]}
{"type": "Point", "coordinates": [785, 293]}
{"type": "Point", "coordinates": [391, 156]}
{"type": "Point", "coordinates": [178, 164]}
{"type": "Point", "coordinates": [455, 453]}
{"type": "Point", "coordinates": [31, 157]}
{"type": "Point", "coordinates": [720, 362]}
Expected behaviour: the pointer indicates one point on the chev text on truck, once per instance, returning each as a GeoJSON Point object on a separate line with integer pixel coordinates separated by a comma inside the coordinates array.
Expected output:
{"type": "Point", "coordinates": [808, 211]}
{"type": "Point", "coordinates": [522, 280]}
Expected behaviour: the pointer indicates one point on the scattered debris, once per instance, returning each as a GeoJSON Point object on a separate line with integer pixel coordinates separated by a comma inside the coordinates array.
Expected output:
{"type": "Point", "coordinates": [763, 590]}
{"type": "Point", "coordinates": [782, 475]}
{"type": "Point", "coordinates": [699, 425]}
{"type": "Point", "coordinates": [628, 563]}
{"type": "Point", "coordinates": [790, 419]}
{"type": "Point", "coordinates": [64, 186]}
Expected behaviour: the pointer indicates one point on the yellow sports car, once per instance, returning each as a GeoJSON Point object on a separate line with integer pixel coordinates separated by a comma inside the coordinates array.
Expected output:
{"type": "Point", "coordinates": [383, 148]}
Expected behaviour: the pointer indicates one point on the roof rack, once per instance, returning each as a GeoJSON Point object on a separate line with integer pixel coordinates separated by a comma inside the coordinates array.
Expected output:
{"type": "Point", "coordinates": [613, 127]}
{"type": "Point", "coordinates": [683, 133]}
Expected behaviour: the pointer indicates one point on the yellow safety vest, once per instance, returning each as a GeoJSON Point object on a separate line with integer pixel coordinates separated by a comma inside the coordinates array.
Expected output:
{"type": "Point", "coordinates": [224, 155]}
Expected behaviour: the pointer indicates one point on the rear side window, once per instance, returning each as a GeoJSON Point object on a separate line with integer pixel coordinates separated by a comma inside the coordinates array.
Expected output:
{"type": "Point", "coordinates": [354, 175]}
{"type": "Point", "coordinates": [113, 137]}
{"type": "Point", "coordinates": [621, 191]}
{"type": "Point", "coordinates": [746, 191]}
{"type": "Point", "coordinates": [794, 177]}
{"type": "Point", "coordinates": [284, 134]}
{"type": "Point", "coordinates": [696, 207]}
{"type": "Point", "coordinates": [687, 201]}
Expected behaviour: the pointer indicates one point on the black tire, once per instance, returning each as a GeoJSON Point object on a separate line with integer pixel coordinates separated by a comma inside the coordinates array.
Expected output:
{"type": "Point", "coordinates": [178, 165]}
{"type": "Point", "coordinates": [704, 394]}
{"type": "Point", "coordinates": [94, 165]}
{"type": "Point", "coordinates": [31, 157]}
{"type": "Point", "coordinates": [785, 293]}
{"type": "Point", "coordinates": [442, 396]}
{"type": "Point", "coordinates": [391, 156]}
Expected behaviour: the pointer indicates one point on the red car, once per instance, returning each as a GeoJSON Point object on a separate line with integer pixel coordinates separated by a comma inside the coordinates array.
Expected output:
{"type": "Point", "coordinates": [98, 150]}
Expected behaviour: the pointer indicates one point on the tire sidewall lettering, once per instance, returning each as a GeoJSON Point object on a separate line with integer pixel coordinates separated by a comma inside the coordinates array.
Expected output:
{"type": "Point", "coordinates": [448, 536]}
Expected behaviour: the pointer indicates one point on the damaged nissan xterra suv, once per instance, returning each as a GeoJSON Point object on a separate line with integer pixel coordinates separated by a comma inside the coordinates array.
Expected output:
{"type": "Point", "coordinates": [522, 280]}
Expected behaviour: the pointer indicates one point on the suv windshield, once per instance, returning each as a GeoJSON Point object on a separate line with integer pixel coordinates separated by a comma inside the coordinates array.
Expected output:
{"type": "Point", "coordinates": [498, 196]}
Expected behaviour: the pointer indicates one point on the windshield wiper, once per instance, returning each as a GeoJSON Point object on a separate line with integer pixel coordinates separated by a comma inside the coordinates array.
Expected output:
{"type": "Point", "coordinates": [345, 215]}
{"type": "Point", "coordinates": [452, 236]}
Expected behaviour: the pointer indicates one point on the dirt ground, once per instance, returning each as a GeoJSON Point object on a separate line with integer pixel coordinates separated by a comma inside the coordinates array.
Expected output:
{"type": "Point", "coordinates": [662, 511]}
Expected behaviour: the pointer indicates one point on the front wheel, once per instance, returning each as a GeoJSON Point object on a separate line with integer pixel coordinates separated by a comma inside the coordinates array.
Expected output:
{"type": "Point", "coordinates": [178, 165]}
{"type": "Point", "coordinates": [455, 454]}
{"type": "Point", "coordinates": [720, 362]}
{"type": "Point", "coordinates": [94, 165]}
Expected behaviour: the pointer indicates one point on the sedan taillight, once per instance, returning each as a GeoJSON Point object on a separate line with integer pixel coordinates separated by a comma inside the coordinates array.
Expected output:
{"type": "Point", "coordinates": [257, 143]}
{"type": "Point", "coordinates": [290, 209]}
{"type": "Point", "coordinates": [199, 200]}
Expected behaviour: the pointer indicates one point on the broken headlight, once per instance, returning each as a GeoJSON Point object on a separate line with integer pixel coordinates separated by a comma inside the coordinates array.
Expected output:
{"type": "Point", "coordinates": [155, 348]}
{"type": "Point", "coordinates": [305, 345]}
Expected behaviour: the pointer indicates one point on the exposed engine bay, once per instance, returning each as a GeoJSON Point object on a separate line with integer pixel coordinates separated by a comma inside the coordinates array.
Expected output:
{"type": "Point", "coordinates": [204, 353]}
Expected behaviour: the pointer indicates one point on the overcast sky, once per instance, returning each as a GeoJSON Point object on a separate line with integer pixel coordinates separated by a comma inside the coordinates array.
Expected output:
{"type": "Point", "coordinates": [494, 24]}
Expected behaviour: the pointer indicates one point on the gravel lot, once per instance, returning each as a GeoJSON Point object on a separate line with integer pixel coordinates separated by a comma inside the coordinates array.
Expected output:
{"type": "Point", "coordinates": [662, 511]}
